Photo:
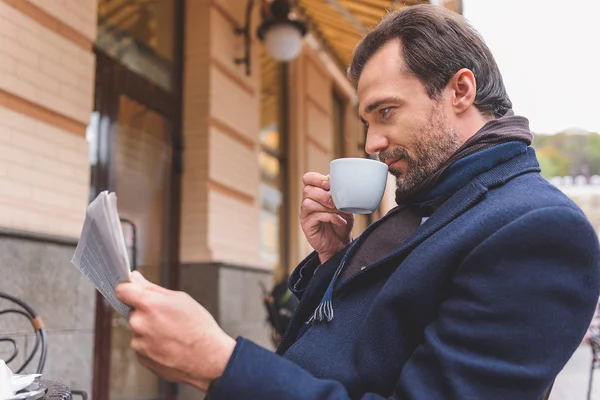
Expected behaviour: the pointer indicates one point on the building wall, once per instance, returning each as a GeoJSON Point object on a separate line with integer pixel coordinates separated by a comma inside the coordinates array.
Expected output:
{"type": "Point", "coordinates": [46, 94]}
{"type": "Point", "coordinates": [314, 78]}
{"type": "Point", "coordinates": [221, 126]}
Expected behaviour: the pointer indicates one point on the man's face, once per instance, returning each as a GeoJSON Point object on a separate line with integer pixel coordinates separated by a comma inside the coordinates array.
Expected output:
{"type": "Point", "coordinates": [407, 129]}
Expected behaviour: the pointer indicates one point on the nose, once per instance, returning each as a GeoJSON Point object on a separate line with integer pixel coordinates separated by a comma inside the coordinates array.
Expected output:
{"type": "Point", "coordinates": [375, 142]}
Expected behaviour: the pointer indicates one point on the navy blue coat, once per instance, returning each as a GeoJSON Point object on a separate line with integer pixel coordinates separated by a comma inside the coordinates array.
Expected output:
{"type": "Point", "coordinates": [487, 300]}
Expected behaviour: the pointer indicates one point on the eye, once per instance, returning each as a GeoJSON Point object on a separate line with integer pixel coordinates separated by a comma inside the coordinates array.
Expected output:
{"type": "Point", "coordinates": [384, 112]}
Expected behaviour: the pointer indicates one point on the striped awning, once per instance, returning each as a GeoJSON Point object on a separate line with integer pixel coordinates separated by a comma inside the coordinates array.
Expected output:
{"type": "Point", "coordinates": [340, 24]}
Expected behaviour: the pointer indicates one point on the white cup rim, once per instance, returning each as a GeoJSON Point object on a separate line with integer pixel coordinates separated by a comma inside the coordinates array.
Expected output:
{"type": "Point", "coordinates": [337, 160]}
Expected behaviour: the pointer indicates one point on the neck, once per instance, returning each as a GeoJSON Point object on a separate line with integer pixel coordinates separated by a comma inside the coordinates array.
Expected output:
{"type": "Point", "coordinates": [469, 123]}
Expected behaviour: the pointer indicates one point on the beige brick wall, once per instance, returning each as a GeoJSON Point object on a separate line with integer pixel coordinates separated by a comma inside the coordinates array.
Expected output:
{"type": "Point", "coordinates": [44, 179]}
{"type": "Point", "coordinates": [228, 163]}
{"type": "Point", "coordinates": [46, 95]}
{"type": "Point", "coordinates": [317, 160]}
{"type": "Point", "coordinates": [43, 67]}
{"type": "Point", "coordinates": [236, 9]}
{"type": "Point", "coordinates": [78, 14]}
{"type": "Point", "coordinates": [232, 105]}
{"type": "Point", "coordinates": [233, 226]}
{"type": "Point", "coordinates": [318, 82]}
{"type": "Point", "coordinates": [220, 212]}
{"type": "Point", "coordinates": [320, 124]}
{"type": "Point", "coordinates": [196, 100]}
{"type": "Point", "coordinates": [226, 46]}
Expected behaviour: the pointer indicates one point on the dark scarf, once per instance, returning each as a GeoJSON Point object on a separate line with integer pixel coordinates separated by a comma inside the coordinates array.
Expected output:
{"type": "Point", "coordinates": [509, 128]}
{"type": "Point", "coordinates": [496, 142]}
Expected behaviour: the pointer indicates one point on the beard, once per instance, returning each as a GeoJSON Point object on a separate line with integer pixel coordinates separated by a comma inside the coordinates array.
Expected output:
{"type": "Point", "coordinates": [434, 143]}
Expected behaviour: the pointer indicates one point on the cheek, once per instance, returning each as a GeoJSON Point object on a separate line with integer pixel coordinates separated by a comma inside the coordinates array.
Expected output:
{"type": "Point", "coordinates": [405, 133]}
{"type": "Point", "coordinates": [402, 128]}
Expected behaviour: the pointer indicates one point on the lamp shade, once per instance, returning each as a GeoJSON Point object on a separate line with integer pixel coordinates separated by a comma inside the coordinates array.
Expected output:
{"type": "Point", "coordinates": [283, 41]}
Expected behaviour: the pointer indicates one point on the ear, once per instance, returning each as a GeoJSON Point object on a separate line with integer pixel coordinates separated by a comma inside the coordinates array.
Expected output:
{"type": "Point", "coordinates": [463, 89]}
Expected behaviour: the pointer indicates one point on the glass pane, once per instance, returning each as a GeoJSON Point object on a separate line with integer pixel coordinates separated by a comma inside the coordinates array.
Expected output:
{"type": "Point", "coordinates": [140, 33]}
{"type": "Point", "coordinates": [269, 137]}
{"type": "Point", "coordinates": [269, 168]}
{"type": "Point", "coordinates": [270, 101]}
{"type": "Point", "coordinates": [269, 225]}
{"type": "Point", "coordinates": [142, 173]}
{"type": "Point", "coordinates": [270, 164]}
{"type": "Point", "coordinates": [91, 137]}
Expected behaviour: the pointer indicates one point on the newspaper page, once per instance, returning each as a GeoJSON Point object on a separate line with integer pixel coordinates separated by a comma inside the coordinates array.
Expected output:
{"type": "Point", "coordinates": [101, 254]}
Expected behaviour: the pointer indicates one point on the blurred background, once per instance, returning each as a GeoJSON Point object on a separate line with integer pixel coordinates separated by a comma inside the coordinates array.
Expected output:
{"type": "Point", "coordinates": [202, 116]}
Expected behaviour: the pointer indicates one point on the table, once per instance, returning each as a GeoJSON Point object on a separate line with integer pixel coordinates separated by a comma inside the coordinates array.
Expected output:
{"type": "Point", "coordinates": [56, 390]}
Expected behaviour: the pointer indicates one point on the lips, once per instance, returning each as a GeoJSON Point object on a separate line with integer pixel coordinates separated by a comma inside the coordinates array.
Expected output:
{"type": "Point", "coordinates": [393, 162]}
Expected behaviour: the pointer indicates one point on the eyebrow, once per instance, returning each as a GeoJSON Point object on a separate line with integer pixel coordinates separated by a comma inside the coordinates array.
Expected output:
{"type": "Point", "coordinates": [373, 106]}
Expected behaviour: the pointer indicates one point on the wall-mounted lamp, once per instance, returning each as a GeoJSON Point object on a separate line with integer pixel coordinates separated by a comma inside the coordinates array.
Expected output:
{"type": "Point", "coordinates": [281, 33]}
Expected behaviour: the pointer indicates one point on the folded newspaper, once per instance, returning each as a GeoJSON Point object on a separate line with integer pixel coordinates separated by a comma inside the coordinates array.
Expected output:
{"type": "Point", "coordinates": [101, 253]}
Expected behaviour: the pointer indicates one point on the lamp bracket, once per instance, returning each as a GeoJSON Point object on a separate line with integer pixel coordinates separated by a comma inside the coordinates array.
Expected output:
{"type": "Point", "coordinates": [245, 31]}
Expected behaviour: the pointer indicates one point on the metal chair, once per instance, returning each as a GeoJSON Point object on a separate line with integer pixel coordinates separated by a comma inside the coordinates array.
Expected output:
{"type": "Point", "coordinates": [280, 304]}
{"type": "Point", "coordinates": [594, 339]}
{"type": "Point", "coordinates": [41, 338]}
{"type": "Point", "coordinates": [81, 393]}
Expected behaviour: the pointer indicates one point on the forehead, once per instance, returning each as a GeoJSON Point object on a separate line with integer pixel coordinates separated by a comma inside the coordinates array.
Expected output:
{"type": "Point", "coordinates": [385, 74]}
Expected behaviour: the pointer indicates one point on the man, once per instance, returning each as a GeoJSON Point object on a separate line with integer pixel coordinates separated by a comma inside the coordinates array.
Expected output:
{"type": "Point", "coordinates": [479, 285]}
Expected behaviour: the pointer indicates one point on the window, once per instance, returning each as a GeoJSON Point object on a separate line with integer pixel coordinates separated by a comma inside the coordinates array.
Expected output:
{"type": "Point", "coordinates": [272, 161]}
{"type": "Point", "coordinates": [339, 124]}
{"type": "Point", "coordinates": [140, 33]}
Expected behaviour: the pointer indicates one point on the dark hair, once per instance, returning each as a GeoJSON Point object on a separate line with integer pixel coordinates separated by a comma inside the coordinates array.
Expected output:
{"type": "Point", "coordinates": [437, 43]}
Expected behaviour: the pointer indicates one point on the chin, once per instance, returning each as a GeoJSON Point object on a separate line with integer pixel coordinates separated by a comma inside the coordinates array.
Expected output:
{"type": "Point", "coordinates": [400, 184]}
{"type": "Point", "coordinates": [397, 173]}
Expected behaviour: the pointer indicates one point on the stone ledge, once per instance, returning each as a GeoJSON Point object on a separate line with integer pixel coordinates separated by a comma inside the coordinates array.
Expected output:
{"type": "Point", "coordinates": [38, 237]}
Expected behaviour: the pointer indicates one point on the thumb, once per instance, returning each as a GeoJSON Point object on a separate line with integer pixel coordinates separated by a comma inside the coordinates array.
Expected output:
{"type": "Point", "coordinates": [138, 279]}
{"type": "Point", "coordinates": [131, 294]}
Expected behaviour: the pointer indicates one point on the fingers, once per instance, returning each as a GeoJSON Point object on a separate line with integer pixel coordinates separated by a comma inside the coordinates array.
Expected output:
{"type": "Point", "coordinates": [324, 217]}
{"type": "Point", "coordinates": [137, 323]}
{"type": "Point", "coordinates": [347, 216]}
{"type": "Point", "coordinates": [137, 345]}
{"type": "Point", "coordinates": [316, 179]}
{"type": "Point", "coordinates": [319, 195]}
{"type": "Point", "coordinates": [310, 206]}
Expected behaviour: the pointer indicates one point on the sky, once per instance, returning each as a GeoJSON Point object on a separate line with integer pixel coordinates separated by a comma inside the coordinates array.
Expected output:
{"type": "Point", "coordinates": [548, 52]}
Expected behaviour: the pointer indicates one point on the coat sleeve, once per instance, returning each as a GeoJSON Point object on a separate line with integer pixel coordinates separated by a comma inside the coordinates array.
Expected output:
{"type": "Point", "coordinates": [516, 309]}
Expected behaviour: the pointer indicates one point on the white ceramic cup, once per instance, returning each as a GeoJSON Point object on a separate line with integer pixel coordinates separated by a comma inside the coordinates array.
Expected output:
{"type": "Point", "coordinates": [357, 184]}
{"type": "Point", "coordinates": [6, 389]}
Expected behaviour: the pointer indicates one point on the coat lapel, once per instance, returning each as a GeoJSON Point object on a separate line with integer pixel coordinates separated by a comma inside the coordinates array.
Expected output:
{"type": "Point", "coordinates": [450, 210]}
